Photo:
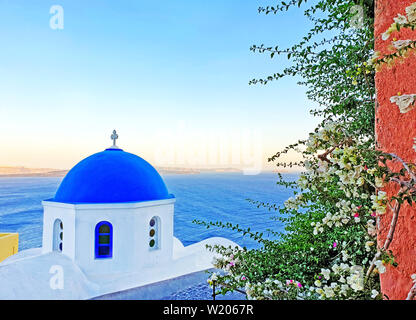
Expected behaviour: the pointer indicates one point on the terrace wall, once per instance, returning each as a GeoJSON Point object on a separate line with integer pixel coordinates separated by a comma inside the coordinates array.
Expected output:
{"type": "Point", "coordinates": [395, 132]}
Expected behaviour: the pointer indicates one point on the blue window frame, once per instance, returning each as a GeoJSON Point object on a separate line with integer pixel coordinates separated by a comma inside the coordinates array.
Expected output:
{"type": "Point", "coordinates": [154, 233]}
{"type": "Point", "coordinates": [58, 235]}
{"type": "Point", "coordinates": [103, 240]}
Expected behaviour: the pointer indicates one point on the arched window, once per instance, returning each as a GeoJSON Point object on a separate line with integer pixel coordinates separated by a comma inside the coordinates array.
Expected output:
{"type": "Point", "coordinates": [103, 240]}
{"type": "Point", "coordinates": [154, 233]}
{"type": "Point", "coordinates": [58, 235]}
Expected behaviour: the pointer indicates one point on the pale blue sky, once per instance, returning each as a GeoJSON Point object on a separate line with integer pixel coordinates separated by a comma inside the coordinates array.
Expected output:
{"type": "Point", "coordinates": [144, 68]}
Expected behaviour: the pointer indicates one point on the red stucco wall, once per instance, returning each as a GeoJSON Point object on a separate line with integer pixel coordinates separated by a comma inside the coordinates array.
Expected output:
{"type": "Point", "coordinates": [395, 133]}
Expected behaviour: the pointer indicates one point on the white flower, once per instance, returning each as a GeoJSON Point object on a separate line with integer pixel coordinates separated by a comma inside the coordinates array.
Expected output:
{"type": "Point", "coordinates": [344, 289]}
{"type": "Point", "coordinates": [374, 293]}
{"type": "Point", "coordinates": [400, 44]}
{"type": "Point", "coordinates": [400, 19]}
{"type": "Point", "coordinates": [380, 266]}
{"type": "Point", "coordinates": [329, 292]}
{"type": "Point", "coordinates": [389, 31]}
{"type": "Point", "coordinates": [214, 277]}
{"type": "Point", "coordinates": [345, 257]}
{"type": "Point", "coordinates": [357, 269]}
{"type": "Point", "coordinates": [318, 283]}
{"type": "Point", "coordinates": [411, 13]}
{"type": "Point", "coordinates": [322, 166]}
{"type": "Point", "coordinates": [368, 245]}
{"type": "Point", "coordinates": [382, 195]}
{"type": "Point", "coordinates": [308, 165]}
{"type": "Point", "coordinates": [344, 266]}
{"type": "Point", "coordinates": [379, 182]}
{"type": "Point", "coordinates": [360, 181]}
{"type": "Point", "coordinates": [326, 273]}
{"type": "Point", "coordinates": [405, 102]}
{"type": "Point", "coordinates": [356, 282]}
{"type": "Point", "coordinates": [374, 58]}
{"type": "Point", "coordinates": [379, 202]}
{"type": "Point", "coordinates": [292, 203]}
{"type": "Point", "coordinates": [371, 229]}
{"type": "Point", "coordinates": [278, 283]}
{"type": "Point", "coordinates": [336, 268]}
{"type": "Point", "coordinates": [303, 182]}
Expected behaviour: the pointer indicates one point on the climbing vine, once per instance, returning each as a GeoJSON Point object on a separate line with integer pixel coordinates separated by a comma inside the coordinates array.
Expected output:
{"type": "Point", "coordinates": [329, 247]}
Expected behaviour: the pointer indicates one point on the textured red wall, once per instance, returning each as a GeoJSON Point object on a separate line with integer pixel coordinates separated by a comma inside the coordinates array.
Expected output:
{"type": "Point", "coordinates": [395, 133]}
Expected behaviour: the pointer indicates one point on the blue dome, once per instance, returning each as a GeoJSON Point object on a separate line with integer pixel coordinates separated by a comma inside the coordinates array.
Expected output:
{"type": "Point", "coordinates": [112, 176]}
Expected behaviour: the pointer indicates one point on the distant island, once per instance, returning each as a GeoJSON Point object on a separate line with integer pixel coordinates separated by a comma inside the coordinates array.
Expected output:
{"type": "Point", "coordinates": [31, 172]}
{"type": "Point", "coordinates": [49, 172]}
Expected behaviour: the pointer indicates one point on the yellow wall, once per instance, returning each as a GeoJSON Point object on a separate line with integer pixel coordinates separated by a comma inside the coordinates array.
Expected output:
{"type": "Point", "coordinates": [9, 244]}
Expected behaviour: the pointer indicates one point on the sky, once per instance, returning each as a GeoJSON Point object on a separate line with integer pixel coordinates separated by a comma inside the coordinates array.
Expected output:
{"type": "Point", "coordinates": [170, 76]}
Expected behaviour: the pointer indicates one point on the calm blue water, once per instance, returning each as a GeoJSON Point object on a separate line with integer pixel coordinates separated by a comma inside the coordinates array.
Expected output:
{"type": "Point", "coordinates": [208, 197]}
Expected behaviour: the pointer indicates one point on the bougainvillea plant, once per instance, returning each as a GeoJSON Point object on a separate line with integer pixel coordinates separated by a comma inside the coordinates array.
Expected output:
{"type": "Point", "coordinates": [329, 248]}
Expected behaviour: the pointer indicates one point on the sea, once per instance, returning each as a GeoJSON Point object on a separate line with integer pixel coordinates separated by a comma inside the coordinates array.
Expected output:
{"type": "Point", "coordinates": [208, 197]}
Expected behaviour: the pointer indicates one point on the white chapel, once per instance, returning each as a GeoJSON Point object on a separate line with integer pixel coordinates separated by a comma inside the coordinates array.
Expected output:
{"type": "Point", "coordinates": [109, 228]}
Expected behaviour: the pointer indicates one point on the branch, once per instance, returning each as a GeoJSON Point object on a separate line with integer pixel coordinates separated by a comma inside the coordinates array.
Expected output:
{"type": "Point", "coordinates": [412, 293]}
{"type": "Point", "coordinates": [323, 156]}
{"type": "Point", "coordinates": [402, 183]}
{"type": "Point", "coordinates": [411, 173]}
{"type": "Point", "coordinates": [389, 238]}
{"type": "Point", "coordinates": [393, 224]}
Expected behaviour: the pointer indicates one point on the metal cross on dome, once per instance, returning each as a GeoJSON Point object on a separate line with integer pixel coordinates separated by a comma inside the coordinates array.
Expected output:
{"type": "Point", "coordinates": [114, 137]}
